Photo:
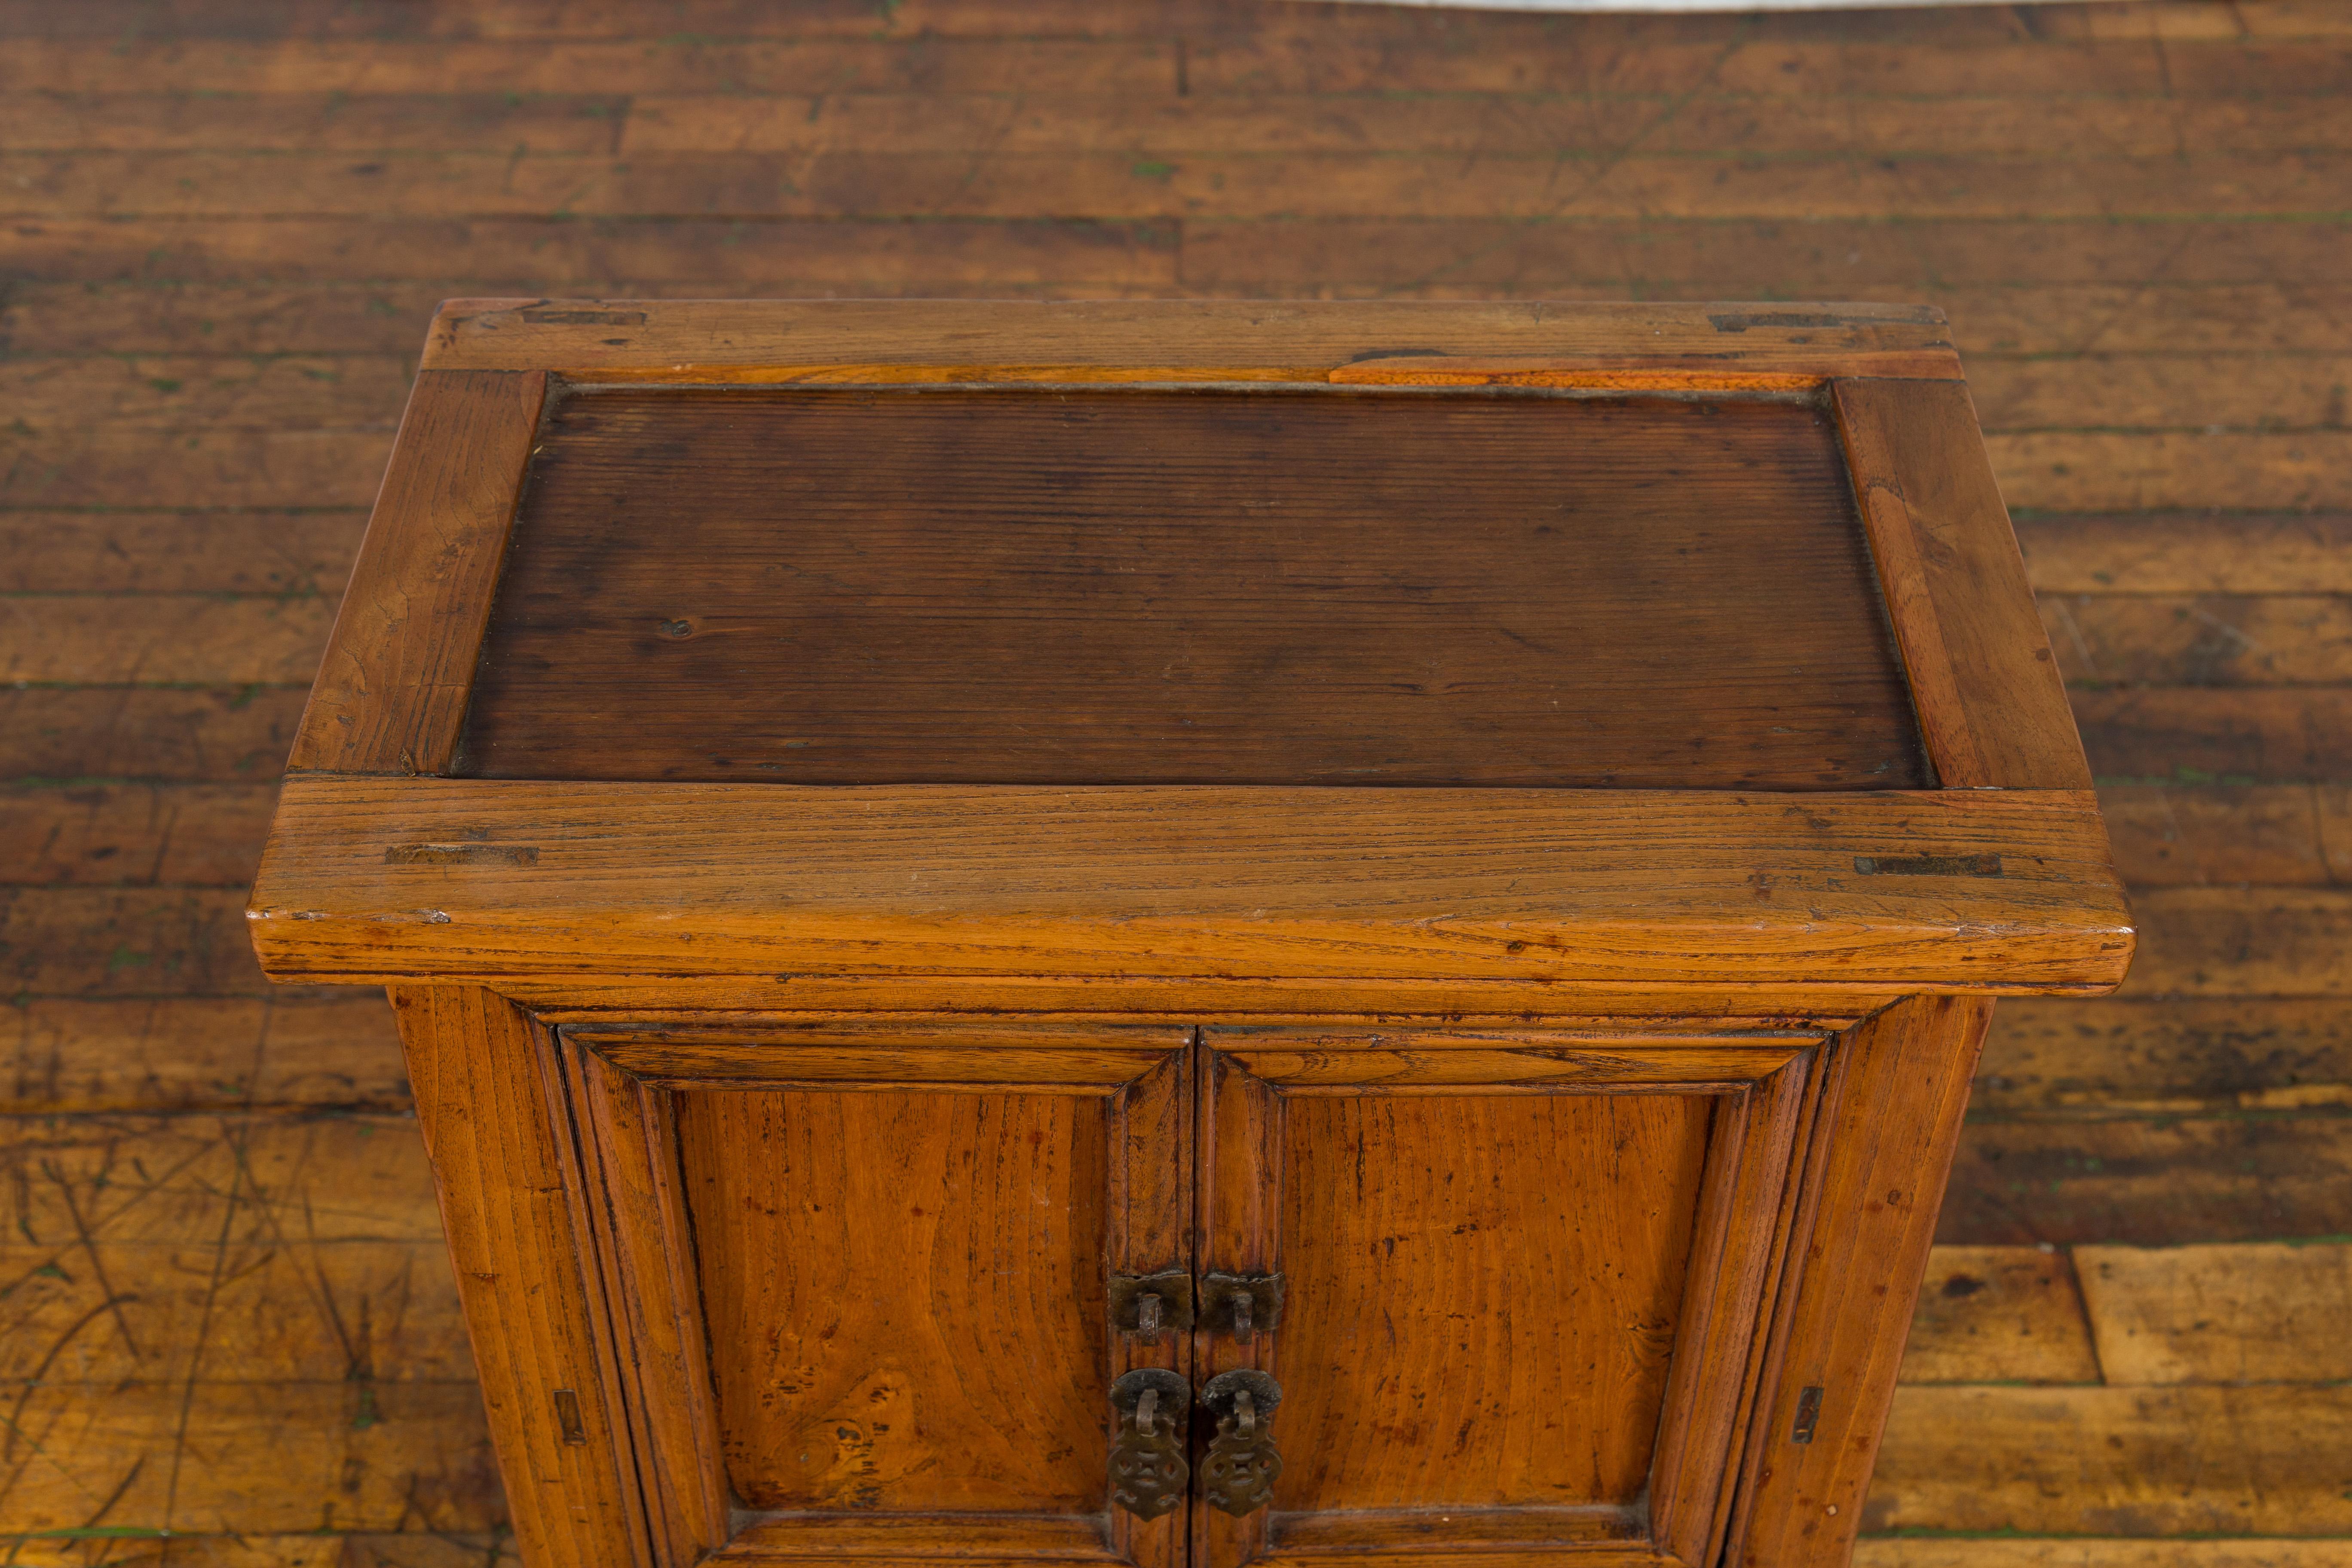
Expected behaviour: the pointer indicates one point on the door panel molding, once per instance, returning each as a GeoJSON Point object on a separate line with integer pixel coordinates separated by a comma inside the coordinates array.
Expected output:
{"type": "Point", "coordinates": [620, 1091]}
{"type": "Point", "coordinates": [1762, 1092]}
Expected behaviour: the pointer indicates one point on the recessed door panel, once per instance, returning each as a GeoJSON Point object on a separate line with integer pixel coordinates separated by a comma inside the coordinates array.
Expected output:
{"type": "Point", "coordinates": [1482, 1294]}
{"type": "Point", "coordinates": [909, 1292]}
{"type": "Point", "coordinates": [1520, 1284]}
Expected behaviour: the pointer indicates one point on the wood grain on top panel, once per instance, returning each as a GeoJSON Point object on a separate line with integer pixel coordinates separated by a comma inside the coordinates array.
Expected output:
{"type": "Point", "coordinates": [1130, 586]}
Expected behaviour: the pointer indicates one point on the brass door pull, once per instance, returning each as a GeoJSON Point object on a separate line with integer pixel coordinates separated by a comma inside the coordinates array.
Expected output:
{"type": "Point", "coordinates": [1242, 1463]}
{"type": "Point", "coordinates": [1147, 1470]}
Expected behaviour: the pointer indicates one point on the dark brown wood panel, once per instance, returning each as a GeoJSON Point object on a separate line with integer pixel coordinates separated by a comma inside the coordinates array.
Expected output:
{"type": "Point", "coordinates": [1130, 586]}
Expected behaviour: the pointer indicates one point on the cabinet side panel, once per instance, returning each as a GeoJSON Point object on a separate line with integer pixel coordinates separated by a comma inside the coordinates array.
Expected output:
{"type": "Point", "coordinates": [504, 1170]}
{"type": "Point", "coordinates": [1890, 1131]}
{"type": "Point", "coordinates": [392, 692]}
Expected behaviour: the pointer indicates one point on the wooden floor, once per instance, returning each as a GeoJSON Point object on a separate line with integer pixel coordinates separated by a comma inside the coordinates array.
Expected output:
{"type": "Point", "coordinates": [227, 1333]}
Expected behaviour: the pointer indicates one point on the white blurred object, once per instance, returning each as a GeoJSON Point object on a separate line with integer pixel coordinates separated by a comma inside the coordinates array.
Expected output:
{"type": "Point", "coordinates": [1680, 4]}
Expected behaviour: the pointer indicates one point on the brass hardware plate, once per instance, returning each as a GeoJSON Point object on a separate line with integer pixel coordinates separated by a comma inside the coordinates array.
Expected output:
{"type": "Point", "coordinates": [1147, 1470]}
{"type": "Point", "coordinates": [1242, 1466]}
{"type": "Point", "coordinates": [1151, 1304]}
{"type": "Point", "coordinates": [1240, 1304]}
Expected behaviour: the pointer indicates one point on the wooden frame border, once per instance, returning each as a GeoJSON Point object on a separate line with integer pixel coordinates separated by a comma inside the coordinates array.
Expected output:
{"type": "Point", "coordinates": [619, 1102]}
{"type": "Point", "coordinates": [392, 693]}
{"type": "Point", "coordinates": [1752, 1164]}
{"type": "Point", "coordinates": [1992, 704]}
{"type": "Point", "coordinates": [766, 342]}
{"type": "Point", "coordinates": [499, 882]}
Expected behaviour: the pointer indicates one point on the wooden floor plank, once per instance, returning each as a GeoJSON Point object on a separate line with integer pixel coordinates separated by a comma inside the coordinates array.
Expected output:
{"type": "Point", "coordinates": [2187, 835]}
{"type": "Point", "coordinates": [1999, 1314]}
{"type": "Point", "coordinates": [129, 942]}
{"type": "Point", "coordinates": [227, 551]}
{"type": "Point", "coordinates": [212, 392]}
{"type": "Point", "coordinates": [2264, 1460]}
{"type": "Point", "coordinates": [258, 1181]}
{"type": "Point", "coordinates": [2205, 735]}
{"type": "Point", "coordinates": [291, 1048]}
{"type": "Point", "coordinates": [413, 1549]}
{"type": "Point", "coordinates": [267, 1458]}
{"type": "Point", "coordinates": [2188, 553]}
{"type": "Point", "coordinates": [89, 316]}
{"type": "Point", "coordinates": [2091, 470]}
{"type": "Point", "coordinates": [1491, 258]}
{"type": "Point", "coordinates": [99, 639]}
{"type": "Point", "coordinates": [2263, 1314]}
{"type": "Point", "coordinates": [571, 67]}
{"type": "Point", "coordinates": [321, 121]}
{"type": "Point", "coordinates": [2076, 1553]}
{"type": "Point", "coordinates": [2151, 1058]}
{"type": "Point", "coordinates": [130, 835]}
{"type": "Point", "coordinates": [1705, 124]}
{"type": "Point", "coordinates": [2152, 1182]}
{"type": "Point", "coordinates": [263, 1312]}
{"type": "Point", "coordinates": [1557, 182]}
{"type": "Point", "coordinates": [113, 464]}
{"type": "Point", "coordinates": [2239, 390]}
{"type": "Point", "coordinates": [2152, 314]}
{"type": "Point", "coordinates": [225, 735]}
{"type": "Point", "coordinates": [2243, 941]}
{"type": "Point", "coordinates": [2204, 640]}
{"type": "Point", "coordinates": [1067, 257]}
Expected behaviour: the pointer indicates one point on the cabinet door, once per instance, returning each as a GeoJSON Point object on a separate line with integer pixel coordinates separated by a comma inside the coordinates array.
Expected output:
{"type": "Point", "coordinates": [894, 1252]}
{"type": "Point", "coordinates": [1520, 1283]}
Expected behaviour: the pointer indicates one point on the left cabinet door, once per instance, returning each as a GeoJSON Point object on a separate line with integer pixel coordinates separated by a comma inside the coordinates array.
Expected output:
{"type": "Point", "coordinates": [854, 1282]}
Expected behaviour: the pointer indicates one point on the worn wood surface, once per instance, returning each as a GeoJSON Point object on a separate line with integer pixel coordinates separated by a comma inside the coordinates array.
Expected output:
{"type": "Point", "coordinates": [373, 879]}
{"type": "Point", "coordinates": [413, 612]}
{"type": "Point", "coordinates": [2135, 362]}
{"type": "Point", "coordinates": [865, 587]}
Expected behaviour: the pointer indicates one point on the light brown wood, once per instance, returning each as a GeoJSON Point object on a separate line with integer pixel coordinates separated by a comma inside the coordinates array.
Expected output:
{"type": "Point", "coordinates": [534, 1307]}
{"type": "Point", "coordinates": [484, 879]}
{"type": "Point", "coordinates": [2261, 1459]}
{"type": "Point", "coordinates": [2159, 1313]}
{"type": "Point", "coordinates": [393, 689]}
{"type": "Point", "coordinates": [1999, 1314]}
{"type": "Point", "coordinates": [2146, 331]}
{"type": "Point", "coordinates": [629, 1141]}
{"type": "Point", "coordinates": [1957, 589]}
{"type": "Point", "coordinates": [844, 1219]}
{"type": "Point", "coordinates": [725, 340]}
{"type": "Point", "coordinates": [1899, 1085]}
{"type": "Point", "coordinates": [1283, 1189]}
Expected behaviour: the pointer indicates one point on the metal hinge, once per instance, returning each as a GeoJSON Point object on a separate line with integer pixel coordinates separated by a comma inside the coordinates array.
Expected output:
{"type": "Point", "coordinates": [1150, 1305]}
{"type": "Point", "coordinates": [1240, 1304]}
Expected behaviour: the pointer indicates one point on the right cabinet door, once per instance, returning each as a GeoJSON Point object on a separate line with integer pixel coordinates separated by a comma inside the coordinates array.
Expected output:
{"type": "Point", "coordinates": [1506, 1287]}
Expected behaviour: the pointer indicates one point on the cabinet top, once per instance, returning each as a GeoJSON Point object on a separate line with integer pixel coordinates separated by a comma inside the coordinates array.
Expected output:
{"type": "Point", "coordinates": [1635, 561]}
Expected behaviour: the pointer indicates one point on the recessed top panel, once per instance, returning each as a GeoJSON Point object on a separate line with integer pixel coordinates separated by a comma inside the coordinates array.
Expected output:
{"type": "Point", "coordinates": [1049, 585]}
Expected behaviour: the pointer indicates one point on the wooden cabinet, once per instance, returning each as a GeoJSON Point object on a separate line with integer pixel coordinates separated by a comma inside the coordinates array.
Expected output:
{"type": "Point", "coordinates": [1189, 935]}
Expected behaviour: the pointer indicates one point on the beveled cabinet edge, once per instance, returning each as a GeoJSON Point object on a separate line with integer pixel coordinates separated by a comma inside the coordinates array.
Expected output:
{"type": "Point", "coordinates": [392, 691]}
{"type": "Point", "coordinates": [754, 341]}
{"type": "Point", "coordinates": [1991, 705]}
{"type": "Point", "coordinates": [506, 881]}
